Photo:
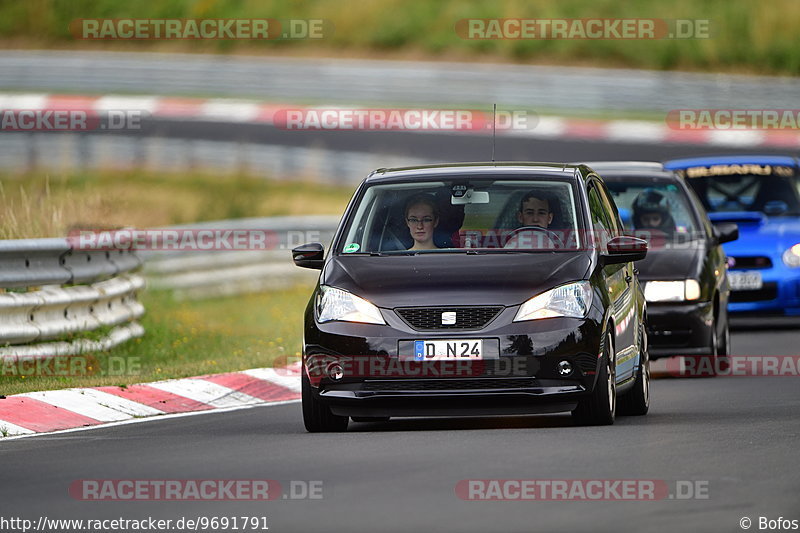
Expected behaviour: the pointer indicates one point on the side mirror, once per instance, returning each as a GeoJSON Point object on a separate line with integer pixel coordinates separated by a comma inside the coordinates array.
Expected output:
{"type": "Point", "coordinates": [309, 256]}
{"type": "Point", "coordinates": [726, 232]}
{"type": "Point", "coordinates": [624, 249]}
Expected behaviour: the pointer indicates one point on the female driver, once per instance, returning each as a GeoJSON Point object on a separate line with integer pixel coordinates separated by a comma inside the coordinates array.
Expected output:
{"type": "Point", "coordinates": [422, 216]}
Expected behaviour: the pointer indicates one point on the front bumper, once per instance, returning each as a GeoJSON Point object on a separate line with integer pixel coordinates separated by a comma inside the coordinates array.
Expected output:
{"type": "Point", "coordinates": [679, 329]}
{"type": "Point", "coordinates": [780, 294]}
{"type": "Point", "coordinates": [418, 397]}
{"type": "Point", "coordinates": [521, 375]}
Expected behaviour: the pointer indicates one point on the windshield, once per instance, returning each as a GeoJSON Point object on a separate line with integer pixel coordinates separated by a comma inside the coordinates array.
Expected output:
{"type": "Point", "coordinates": [464, 213]}
{"type": "Point", "coordinates": [772, 190]}
{"type": "Point", "coordinates": [646, 205]}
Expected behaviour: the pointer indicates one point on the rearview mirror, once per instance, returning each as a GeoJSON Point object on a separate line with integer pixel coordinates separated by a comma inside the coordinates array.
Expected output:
{"type": "Point", "coordinates": [726, 232]}
{"type": "Point", "coordinates": [471, 196]}
{"type": "Point", "coordinates": [309, 256]}
{"type": "Point", "coordinates": [624, 249]}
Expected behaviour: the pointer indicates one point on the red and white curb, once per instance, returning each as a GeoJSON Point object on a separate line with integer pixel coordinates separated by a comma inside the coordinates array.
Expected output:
{"type": "Point", "coordinates": [255, 112]}
{"type": "Point", "coordinates": [48, 411]}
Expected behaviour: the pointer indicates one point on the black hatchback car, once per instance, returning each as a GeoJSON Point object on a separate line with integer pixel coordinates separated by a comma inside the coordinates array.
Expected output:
{"type": "Point", "coordinates": [685, 272]}
{"type": "Point", "coordinates": [475, 289]}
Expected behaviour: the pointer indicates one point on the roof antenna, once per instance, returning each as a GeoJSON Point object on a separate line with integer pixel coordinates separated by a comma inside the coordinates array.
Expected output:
{"type": "Point", "coordinates": [494, 128]}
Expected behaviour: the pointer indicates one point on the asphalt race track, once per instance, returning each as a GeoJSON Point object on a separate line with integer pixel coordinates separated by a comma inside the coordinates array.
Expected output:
{"type": "Point", "coordinates": [737, 437]}
{"type": "Point", "coordinates": [443, 147]}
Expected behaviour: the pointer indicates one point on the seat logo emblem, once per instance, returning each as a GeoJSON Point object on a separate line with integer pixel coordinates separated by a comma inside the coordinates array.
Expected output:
{"type": "Point", "coordinates": [448, 318]}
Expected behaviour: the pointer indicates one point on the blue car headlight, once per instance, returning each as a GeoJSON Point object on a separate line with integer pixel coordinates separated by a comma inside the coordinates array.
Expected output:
{"type": "Point", "coordinates": [570, 300]}
{"type": "Point", "coordinates": [791, 257]}
{"type": "Point", "coordinates": [336, 304]}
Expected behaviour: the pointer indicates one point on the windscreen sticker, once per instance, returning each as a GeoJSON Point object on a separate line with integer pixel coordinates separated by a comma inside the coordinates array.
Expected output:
{"type": "Point", "coordinates": [738, 170]}
{"type": "Point", "coordinates": [352, 247]}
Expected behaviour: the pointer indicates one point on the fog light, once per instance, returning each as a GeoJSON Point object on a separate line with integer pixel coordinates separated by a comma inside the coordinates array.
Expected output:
{"type": "Point", "coordinates": [335, 371]}
{"type": "Point", "coordinates": [564, 368]}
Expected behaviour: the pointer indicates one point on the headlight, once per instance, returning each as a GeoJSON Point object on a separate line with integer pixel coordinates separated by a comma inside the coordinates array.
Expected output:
{"type": "Point", "coordinates": [791, 257]}
{"type": "Point", "coordinates": [671, 291]}
{"type": "Point", "coordinates": [572, 300]}
{"type": "Point", "coordinates": [336, 304]}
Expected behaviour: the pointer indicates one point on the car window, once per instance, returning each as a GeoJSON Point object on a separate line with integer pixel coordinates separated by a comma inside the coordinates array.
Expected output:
{"type": "Point", "coordinates": [773, 190]}
{"type": "Point", "coordinates": [602, 219]}
{"type": "Point", "coordinates": [464, 213]}
{"type": "Point", "coordinates": [649, 206]}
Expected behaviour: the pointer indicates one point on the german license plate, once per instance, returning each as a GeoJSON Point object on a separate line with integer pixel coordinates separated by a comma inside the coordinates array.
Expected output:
{"type": "Point", "coordinates": [439, 350]}
{"type": "Point", "coordinates": [745, 281]}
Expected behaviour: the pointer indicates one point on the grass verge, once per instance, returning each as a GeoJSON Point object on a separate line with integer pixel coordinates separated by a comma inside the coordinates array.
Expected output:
{"type": "Point", "coordinates": [40, 205]}
{"type": "Point", "coordinates": [745, 36]}
{"type": "Point", "coordinates": [185, 339]}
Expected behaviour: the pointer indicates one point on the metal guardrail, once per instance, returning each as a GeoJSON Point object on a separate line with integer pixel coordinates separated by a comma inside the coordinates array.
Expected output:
{"type": "Point", "coordinates": [69, 291]}
{"type": "Point", "coordinates": [21, 152]}
{"type": "Point", "coordinates": [373, 82]}
{"type": "Point", "coordinates": [196, 274]}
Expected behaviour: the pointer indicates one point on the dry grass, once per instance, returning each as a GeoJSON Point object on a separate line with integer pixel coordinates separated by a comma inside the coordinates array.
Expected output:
{"type": "Point", "coordinates": [36, 205]}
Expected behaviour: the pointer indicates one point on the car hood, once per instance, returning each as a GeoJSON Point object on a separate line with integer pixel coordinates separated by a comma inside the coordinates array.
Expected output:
{"type": "Point", "coordinates": [453, 279]}
{"type": "Point", "coordinates": [673, 263]}
{"type": "Point", "coordinates": [765, 236]}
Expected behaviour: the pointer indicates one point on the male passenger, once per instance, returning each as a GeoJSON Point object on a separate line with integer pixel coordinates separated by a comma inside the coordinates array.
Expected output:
{"type": "Point", "coordinates": [534, 210]}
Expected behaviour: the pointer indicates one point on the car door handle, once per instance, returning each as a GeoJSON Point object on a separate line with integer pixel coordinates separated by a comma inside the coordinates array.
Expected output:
{"type": "Point", "coordinates": [628, 278]}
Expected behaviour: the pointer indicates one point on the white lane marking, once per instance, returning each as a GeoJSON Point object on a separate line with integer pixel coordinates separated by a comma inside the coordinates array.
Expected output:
{"type": "Point", "coordinates": [150, 419]}
{"type": "Point", "coordinates": [286, 378]}
{"type": "Point", "coordinates": [205, 392]}
{"type": "Point", "coordinates": [77, 401]}
{"type": "Point", "coordinates": [635, 130]}
{"type": "Point", "coordinates": [9, 429]}
{"type": "Point", "coordinates": [23, 101]}
{"type": "Point", "coordinates": [123, 405]}
{"type": "Point", "coordinates": [147, 104]}
{"type": "Point", "coordinates": [736, 137]}
{"type": "Point", "coordinates": [229, 110]}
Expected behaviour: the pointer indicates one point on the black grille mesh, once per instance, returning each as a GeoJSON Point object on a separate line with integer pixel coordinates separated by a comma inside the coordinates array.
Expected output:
{"type": "Point", "coordinates": [448, 384]}
{"type": "Point", "coordinates": [752, 262]}
{"type": "Point", "coordinates": [430, 318]}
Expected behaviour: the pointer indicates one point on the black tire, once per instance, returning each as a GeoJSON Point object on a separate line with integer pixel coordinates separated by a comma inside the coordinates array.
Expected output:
{"type": "Point", "coordinates": [719, 350]}
{"type": "Point", "coordinates": [370, 418]}
{"type": "Point", "coordinates": [725, 342]}
{"type": "Point", "coordinates": [599, 408]}
{"type": "Point", "coordinates": [317, 416]}
{"type": "Point", "coordinates": [636, 402]}
{"type": "Point", "coordinates": [724, 348]}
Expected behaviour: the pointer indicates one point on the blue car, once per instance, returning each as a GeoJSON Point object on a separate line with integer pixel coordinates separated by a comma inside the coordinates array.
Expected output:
{"type": "Point", "coordinates": [761, 193]}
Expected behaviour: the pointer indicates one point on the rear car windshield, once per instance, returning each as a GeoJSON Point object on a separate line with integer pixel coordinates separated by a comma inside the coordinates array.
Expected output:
{"type": "Point", "coordinates": [769, 189]}
{"type": "Point", "coordinates": [463, 214]}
